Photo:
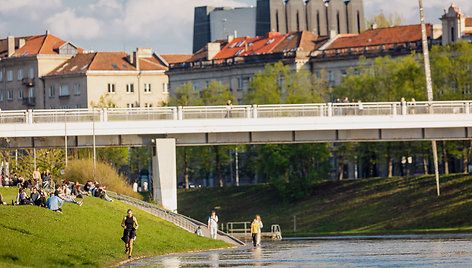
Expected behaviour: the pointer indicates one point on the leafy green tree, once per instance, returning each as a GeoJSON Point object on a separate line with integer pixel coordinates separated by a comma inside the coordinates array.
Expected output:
{"type": "Point", "coordinates": [382, 20]}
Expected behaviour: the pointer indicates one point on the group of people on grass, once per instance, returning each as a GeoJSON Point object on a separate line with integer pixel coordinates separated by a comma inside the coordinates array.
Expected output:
{"type": "Point", "coordinates": [45, 192]}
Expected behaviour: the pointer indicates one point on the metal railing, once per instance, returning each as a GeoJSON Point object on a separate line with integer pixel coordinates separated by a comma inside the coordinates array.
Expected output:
{"type": "Point", "coordinates": [177, 219]}
{"type": "Point", "coordinates": [235, 112]}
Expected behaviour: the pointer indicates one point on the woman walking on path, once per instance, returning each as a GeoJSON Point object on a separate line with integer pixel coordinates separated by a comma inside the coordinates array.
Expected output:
{"type": "Point", "coordinates": [213, 224]}
{"type": "Point", "coordinates": [129, 232]}
{"type": "Point", "coordinates": [258, 237]}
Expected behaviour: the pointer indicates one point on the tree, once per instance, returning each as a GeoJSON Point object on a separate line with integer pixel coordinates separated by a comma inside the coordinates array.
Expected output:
{"type": "Point", "coordinates": [381, 20]}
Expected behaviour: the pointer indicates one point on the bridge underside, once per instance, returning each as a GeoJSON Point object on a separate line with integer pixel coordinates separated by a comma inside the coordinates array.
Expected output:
{"type": "Point", "coordinates": [229, 138]}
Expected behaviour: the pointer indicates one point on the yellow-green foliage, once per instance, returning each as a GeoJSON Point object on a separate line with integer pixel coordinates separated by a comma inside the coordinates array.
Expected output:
{"type": "Point", "coordinates": [82, 170]}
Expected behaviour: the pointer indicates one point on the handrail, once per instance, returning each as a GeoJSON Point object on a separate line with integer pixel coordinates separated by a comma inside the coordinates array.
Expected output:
{"type": "Point", "coordinates": [235, 112]}
{"type": "Point", "coordinates": [179, 220]}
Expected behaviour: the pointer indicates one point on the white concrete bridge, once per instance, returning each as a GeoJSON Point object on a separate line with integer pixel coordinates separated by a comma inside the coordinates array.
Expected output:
{"type": "Point", "coordinates": [167, 127]}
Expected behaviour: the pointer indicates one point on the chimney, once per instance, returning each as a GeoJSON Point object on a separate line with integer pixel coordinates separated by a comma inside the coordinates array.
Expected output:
{"type": "Point", "coordinates": [141, 52]}
{"type": "Point", "coordinates": [230, 38]}
{"type": "Point", "coordinates": [213, 49]}
{"type": "Point", "coordinates": [21, 43]}
{"type": "Point", "coordinates": [11, 45]}
{"type": "Point", "coordinates": [48, 32]}
{"type": "Point", "coordinates": [373, 26]}
{"type": "Point", "coordinates": [135, 60]}
{"type": "Point", "coordinates": [332, 34]}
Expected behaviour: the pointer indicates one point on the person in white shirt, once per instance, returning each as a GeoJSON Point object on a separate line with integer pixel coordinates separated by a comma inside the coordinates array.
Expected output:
{"type": "Point", "coordinates": [258, 237]}
{"type": "Point", "coordinates": [213, 224]}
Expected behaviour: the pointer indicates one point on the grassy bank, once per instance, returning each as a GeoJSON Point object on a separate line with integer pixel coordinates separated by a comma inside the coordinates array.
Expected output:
{"type": "Point", "coordinates": [377, 205]}
{"type": "Point", "coordinates": [87, 236]}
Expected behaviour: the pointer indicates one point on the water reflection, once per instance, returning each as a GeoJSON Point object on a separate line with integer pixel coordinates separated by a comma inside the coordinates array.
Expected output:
{"type": "Point", "coordinates": [405, 250]}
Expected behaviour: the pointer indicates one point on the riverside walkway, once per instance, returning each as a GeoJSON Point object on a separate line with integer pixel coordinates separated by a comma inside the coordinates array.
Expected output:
{"type": "Point", "coordinates": [179, 220]}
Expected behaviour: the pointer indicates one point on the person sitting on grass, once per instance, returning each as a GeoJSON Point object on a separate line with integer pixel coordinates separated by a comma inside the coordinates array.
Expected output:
{"type": "Point", "coordinates": [1, 200]}
{"type": "Point", "coordinates": [54, 203]}
{"type": "Point", "coordinates": [22, 198]}
{"type": "Point", "coordinates": [60, 192]}
{"type": "Point", "coordinates": [41, 202]}
{"type": "Point", "coordinates": [35, 195]}
{"type": "Point", "coordinates": [88, 187]}
{"type": "Point", "coordinates": [77, 192]}
{"type": "Point", "coordinates": [100, 192]}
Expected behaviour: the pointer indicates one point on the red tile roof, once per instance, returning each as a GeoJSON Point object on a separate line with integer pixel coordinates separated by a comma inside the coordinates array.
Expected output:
{"type": "Point", "coordinates": [34, 45]}
{"type": "Point", "coordinates": [176, 58]}
{"type": "Point", "coordinates": [268, 44]}
{"type": "Point", "coordinates": [468, 22]}
{"type": "Point", "coordinates": [106, 61]}
{"type": "Point", "coordinates": [381, 36]}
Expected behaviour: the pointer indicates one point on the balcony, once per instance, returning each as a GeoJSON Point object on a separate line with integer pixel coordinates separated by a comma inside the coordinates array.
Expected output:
{"type": "Point", "coordinates": [28, 82]}
{"type": "Point", "coordinates": [29, 101]}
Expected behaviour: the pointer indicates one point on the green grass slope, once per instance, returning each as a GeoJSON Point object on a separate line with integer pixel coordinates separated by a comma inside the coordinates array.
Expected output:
{"type": "Point", "coordinates": [87, 236]}
{"type": "Point", "coordinates": [376, 205]}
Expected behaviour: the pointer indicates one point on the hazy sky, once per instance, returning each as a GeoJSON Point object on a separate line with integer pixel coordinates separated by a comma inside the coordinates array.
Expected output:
{"type": "Point", "coordinates": [164, 25]}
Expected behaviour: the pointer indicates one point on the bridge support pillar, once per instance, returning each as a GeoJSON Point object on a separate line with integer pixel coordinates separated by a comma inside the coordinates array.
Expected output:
{"type": "Point", "coordinates": [164, 172]}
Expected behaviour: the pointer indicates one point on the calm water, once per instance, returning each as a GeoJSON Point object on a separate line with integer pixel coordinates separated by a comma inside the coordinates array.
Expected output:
{"type": "Point", "coordinates": [445, 250]}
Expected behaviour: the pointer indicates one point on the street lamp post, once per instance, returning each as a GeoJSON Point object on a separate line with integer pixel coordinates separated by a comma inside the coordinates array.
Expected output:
{"type": "Point", "coordinates": [346, 2]}
{"type": "Point", "coordinates": [429, 88]}
{"type": "Point", "coordinates": [326, 3]}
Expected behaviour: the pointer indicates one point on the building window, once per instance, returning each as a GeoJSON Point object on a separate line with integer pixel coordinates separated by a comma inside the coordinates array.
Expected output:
{"type": "Point", "coordinates": [338, 22]}
{"type": "Point", "coordinates": [207, 84]}
{"type": "Point", "coordinates": [52, 91]}
{"type": "Point", "coordinates": [31, 92]}
{"type": "Point", "coordinates": [147, 87]}
{"type": "Point", "coordinates": [240, 84]}
{"type": "Point", "coordinates": [20, 74]}
{"type": "Point", "coordinates": [20, 94]}
{"type": "Point", "coordinates": [130, 105]}
{"type": "Point", "coordinates": [10, 95]}
{"type": "Point", "coordinates": [130, 88]}
{"type": "Point", "coordinates": [9, 75]}
{"type": "Point", "coordinates": [195, 88]}
{"type": "Point", "coordinates": [1, 76]}
{"type": "Point", "coordinates": [111, 88]}
{"type": "Point", "coordinates": [77, 89]}
{"type": "Point", "coordinates": [331, 78]}
{"type": "Point", "coordinates": [78, 106]}
{"type": "Point", "coordinates": [165, 87]}
{"type": "Point", "coordinates": [1, 95]}
{"type": "Point", "coordinates": [31, 73]}
{"type": "Point", "coordinates": [64, 90]}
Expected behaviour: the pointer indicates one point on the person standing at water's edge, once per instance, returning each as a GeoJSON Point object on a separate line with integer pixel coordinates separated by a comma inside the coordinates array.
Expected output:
{"type": "Point", "coordinates": [258, 236]}
{"type": "Point", "coordinates": [129, 232]}
{"type": "Point", "coordinates": [213, 224]}
{"type": "Point", "coordinates": [255, 231]}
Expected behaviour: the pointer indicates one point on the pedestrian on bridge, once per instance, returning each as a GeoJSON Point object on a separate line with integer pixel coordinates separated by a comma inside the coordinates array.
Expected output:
{"type": "Point", "coordinates": [213, 224]}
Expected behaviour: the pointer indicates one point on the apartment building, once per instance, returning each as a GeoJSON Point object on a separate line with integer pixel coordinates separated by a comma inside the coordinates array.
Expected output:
{"type": "Point", "coordinates": [234, 61]}
{"type": "Point", "coordinates": [23, 61]}
{"type": "Point", "coordinates": [108, 79]}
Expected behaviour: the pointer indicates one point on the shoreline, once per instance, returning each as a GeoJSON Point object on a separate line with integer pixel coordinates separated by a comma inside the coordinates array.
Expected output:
{"type": "Point", "coordinates": [466, 230]}
{"type": "Point", "coordinates": [118, 264]}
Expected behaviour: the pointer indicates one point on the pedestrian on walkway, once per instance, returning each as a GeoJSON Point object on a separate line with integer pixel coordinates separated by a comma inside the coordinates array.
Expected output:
{"type": "Point", "coordinates": [254, 231]}
{"type": "Point", "coordinates": [259, 222]}
{"type": "Point", "coordinates": [129, 232]}
{"type": "Point", "coordinates": [213, 224]}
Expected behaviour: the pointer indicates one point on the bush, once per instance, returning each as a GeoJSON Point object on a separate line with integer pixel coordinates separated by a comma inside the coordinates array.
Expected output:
{"type": "Point", "coordinates": [82, 170]}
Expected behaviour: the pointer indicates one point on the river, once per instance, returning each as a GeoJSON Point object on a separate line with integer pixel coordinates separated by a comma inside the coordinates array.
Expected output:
{"type": "Point", "coordinates": [440, 250]}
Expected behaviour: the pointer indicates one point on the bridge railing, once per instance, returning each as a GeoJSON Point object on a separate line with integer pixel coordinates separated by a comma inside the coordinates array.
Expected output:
{"type": "Point", "coordinates": [235, 112]}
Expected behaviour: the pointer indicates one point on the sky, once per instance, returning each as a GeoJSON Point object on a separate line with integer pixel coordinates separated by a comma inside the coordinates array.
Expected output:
{"type": "Point", "coordinates": [164, 25]}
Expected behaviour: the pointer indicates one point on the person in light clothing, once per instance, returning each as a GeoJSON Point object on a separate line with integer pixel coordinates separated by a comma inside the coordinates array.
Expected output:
{"type": "Point", "coordinates": [213, 224]}
{"type": "Point", "coordinates": [258, 237]}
